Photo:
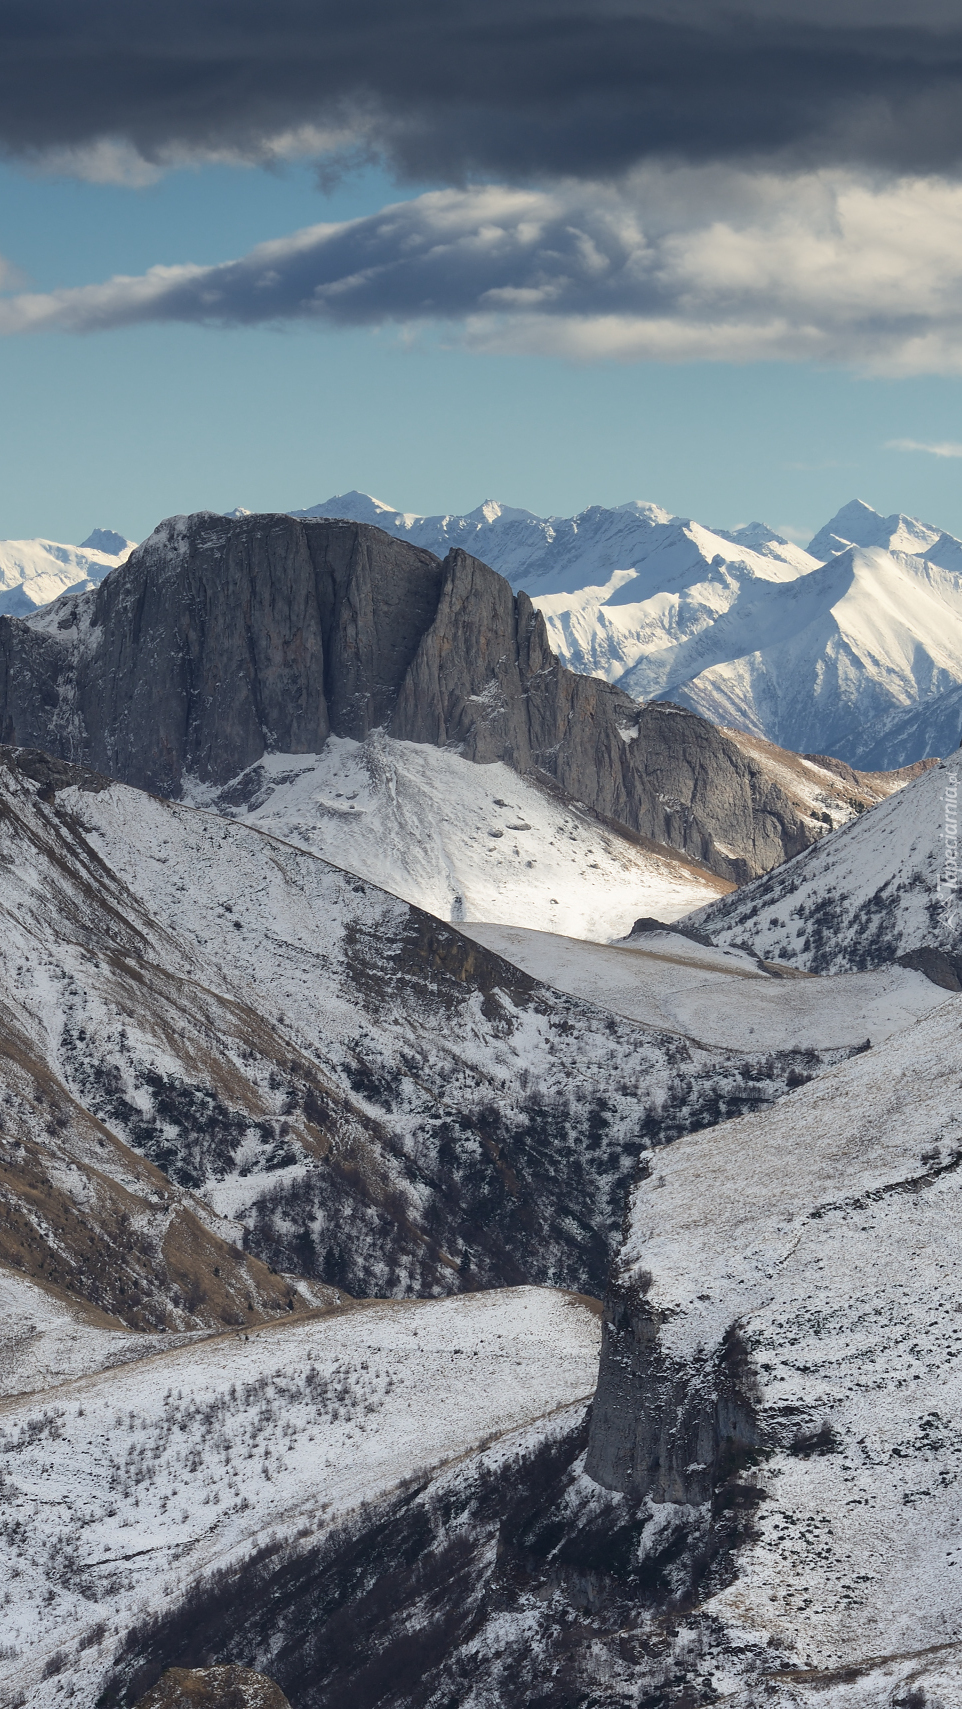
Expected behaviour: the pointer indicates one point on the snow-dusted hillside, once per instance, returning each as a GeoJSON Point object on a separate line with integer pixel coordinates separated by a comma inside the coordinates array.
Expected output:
{"type": "Point", "coordinates": [466, 842]}
{"type": "Point", "coordinates": [204, 1022]}
{"type": "Point", "coordinates": [873, 890]}
{"type": "Point", "coordinates": [818, 651]}
{"type": "Point", "coordinates": [768, 1511]}
{"type": "Point", "coordinates": [789, 1365]}
{"type": "Point", "coordinates": [33, 572]}
{"type": "Point", "coordinates": [122, 1490]}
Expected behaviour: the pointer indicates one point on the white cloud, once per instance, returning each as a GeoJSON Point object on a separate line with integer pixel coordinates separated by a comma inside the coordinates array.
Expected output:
{"type": "Point", "coordinates": [945, 448]}
{"type": "Point", "coordinates": [668, 265]}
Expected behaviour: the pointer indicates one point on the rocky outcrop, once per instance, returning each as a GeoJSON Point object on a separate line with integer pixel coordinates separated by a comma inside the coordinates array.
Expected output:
{"type": "Point", "coordinates": [221, 639]}
{"type": "Point", "coordinates": [776, 1341]}
{"type": "Point", "coordinates": [668, 1429]}
{"type": "Point", "coordinates": [213, 1688]}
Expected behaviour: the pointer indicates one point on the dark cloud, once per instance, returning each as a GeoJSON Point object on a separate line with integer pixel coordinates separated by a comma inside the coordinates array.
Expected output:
{"type": "Point", "coordinates": [520, 89]}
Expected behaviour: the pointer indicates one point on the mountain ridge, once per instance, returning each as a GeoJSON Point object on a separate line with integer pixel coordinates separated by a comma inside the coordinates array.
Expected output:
{"type": "Point", "coordinates": [222, 639]}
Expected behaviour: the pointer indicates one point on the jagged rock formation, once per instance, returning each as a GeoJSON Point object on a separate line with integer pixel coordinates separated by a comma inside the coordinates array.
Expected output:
{"type": "Point", "coordinates": [223, 638]}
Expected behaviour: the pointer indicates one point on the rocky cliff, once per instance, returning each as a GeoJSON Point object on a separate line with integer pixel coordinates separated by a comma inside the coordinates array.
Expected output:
{"type": "Point", "coordinates": [221, 639]}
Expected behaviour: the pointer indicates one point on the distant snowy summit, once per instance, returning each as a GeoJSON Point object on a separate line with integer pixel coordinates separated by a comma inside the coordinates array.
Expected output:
{"type": "Point", "coordinates": [33, 572]}
{"type": "Point", "coordinates": [852, 647]}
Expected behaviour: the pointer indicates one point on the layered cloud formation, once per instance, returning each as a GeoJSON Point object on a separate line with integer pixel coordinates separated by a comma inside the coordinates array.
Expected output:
{"type": "Point", "coordinates": [666, 264]}
{"type": "Point", "coordinates": [510, 89]}
{"type": "Point", "coordinates": [668, 179]}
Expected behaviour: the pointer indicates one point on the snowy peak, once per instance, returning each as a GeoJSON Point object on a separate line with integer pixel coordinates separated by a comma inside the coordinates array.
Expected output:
{"type": "Point", "coordinates": [492, 511]}
{"type": "Point", "coordinates": [857, 524]}
{"type": "Point", "coordinates": [360, 507]}
{"type": "Point", "coordinates": [109, 541]}
{"type": "Point", "coordinates": [34, 572]}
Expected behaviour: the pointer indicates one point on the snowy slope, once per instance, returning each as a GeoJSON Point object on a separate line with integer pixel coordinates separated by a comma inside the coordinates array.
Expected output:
{"type": "Point", "coordinates": [816, 663]}
{"type": "Point", "coordinates": [33, 572]}
{"type": "Point", "coordinates": [932, 727]}
{"type": "Point", "coordinates": [121, 1490]}
{"type": "Point", "coordinates": [466, 842]}
{"type": "Point", "coordinates": [821, 1299]}
{"type": "Point", "coordinates": [222, 1025]}
{"type": "Point", "coordinates": [722, 998]}
{"type": "Point", "coordinates": [45, 1341]}
{"type": "Point", "coordinates": [687, 579]}
{"type": "Point", "coordinates": [863, 895]}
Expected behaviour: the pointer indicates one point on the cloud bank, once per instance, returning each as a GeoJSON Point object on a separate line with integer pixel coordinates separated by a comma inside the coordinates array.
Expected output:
{"type": "Point", "coordinates": [520, 90]}
{"type": "Point", "coordinates": [670, 265]}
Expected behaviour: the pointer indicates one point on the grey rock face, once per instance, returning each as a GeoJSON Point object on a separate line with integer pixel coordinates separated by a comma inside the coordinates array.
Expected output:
{"type": "Point", "coordinates": [664, 1428]}
{"type": "Point", "coordinates": [219, 640]}
{"type": "Point", "coordinates": [223, 638]}
{"type": "Point", "coordinates": [484, 678]}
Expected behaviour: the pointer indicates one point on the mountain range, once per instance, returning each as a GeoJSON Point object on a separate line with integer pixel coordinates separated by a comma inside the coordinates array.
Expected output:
{"type": "Point", "coordinates": [220, 641]}
{"type": "Point", "coordinates": [478, 1158]}
{"type": "Point", "coordinates": [849, 648]}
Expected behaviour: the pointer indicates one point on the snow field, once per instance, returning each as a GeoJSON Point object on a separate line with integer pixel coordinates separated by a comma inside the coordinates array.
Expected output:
{"type": "Point", "coordinates": [122, 1489]}
{"type": "Point", "coordinates": [667, 982]}
{"type": "Point", "coordinates": [463, 841]}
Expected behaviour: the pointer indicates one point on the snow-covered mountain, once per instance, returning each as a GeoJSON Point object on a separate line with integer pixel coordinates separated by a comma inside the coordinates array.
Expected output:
{"type": "Point", "coordinates": [33, 572]}
{"type": "Point", "coordinates": [881, 887]}
{"type": "Point", "coordinates": [819, 651]}
{"type": "Point", "coordinates": [548, 555]}
{"type": "Point", "coordinates": [222, 640]}
{"type": "Point", "coordinates": [821, 663]}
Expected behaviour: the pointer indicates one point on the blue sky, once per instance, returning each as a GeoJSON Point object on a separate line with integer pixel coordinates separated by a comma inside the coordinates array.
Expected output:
{"type": "Point", "coordinates": [121, 426]}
